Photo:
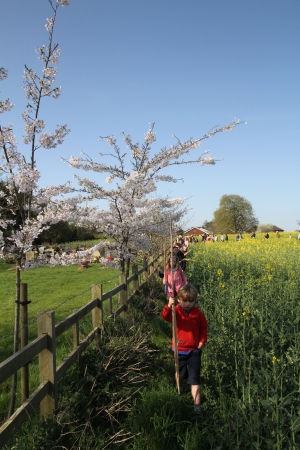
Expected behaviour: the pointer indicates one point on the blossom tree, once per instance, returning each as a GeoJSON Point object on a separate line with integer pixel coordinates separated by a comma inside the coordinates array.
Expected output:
{"type": "Point", "coordinates": [37, 207]}
{"type": "Point", "coordinates": [19, 189]}
{"type": "Point", "coordinates": [134, 211]}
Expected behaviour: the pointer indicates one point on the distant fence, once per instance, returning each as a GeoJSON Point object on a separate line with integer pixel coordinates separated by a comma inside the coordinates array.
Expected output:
{"type": "Point", "coordinates": [44, 346]}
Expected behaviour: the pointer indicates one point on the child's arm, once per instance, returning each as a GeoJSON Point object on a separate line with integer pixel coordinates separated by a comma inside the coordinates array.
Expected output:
{"type": "Point", "coordinates": [171, 302]}
{"type": "Point", "coordinates": [167, 311]}
{"type": "Point", "coordinates": [165, 279]}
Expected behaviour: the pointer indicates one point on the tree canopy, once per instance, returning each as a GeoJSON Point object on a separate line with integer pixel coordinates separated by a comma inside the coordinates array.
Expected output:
{"type": "Point", "coordinates": [235, 214]}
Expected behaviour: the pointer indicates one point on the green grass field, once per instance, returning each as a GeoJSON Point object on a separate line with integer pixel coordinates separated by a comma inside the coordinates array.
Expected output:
{"type": "Point", "coordinates": [47, 289]}
{"type": "Point", "coordinates": [62, 289]}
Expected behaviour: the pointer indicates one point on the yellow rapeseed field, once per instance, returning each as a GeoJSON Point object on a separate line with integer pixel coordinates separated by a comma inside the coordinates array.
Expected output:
{"type": "Point", "coordinates": [250, 293]}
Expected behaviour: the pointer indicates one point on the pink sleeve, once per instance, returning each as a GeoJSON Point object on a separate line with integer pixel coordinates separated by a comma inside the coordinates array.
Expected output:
{"type": "Point", "coordinates": [184, 280]}
{"type": "Point", "coordinates": [167, 275]}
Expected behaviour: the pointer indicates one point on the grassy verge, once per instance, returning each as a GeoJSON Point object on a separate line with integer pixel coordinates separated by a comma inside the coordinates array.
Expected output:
{"type": "Point", "coordinates": [122, 394]}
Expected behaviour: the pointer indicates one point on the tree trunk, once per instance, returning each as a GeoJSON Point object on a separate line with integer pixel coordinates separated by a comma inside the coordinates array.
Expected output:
{"type": "Point", "coordinates": [16, 337]}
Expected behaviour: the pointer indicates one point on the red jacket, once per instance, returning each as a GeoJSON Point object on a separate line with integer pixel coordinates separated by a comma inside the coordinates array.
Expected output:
{"type": "Point", "coordinates": [191, 327]}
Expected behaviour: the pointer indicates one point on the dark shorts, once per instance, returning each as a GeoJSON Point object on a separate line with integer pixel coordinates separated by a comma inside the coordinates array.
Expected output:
{"type": "Point", "coordinates": [190, 367]}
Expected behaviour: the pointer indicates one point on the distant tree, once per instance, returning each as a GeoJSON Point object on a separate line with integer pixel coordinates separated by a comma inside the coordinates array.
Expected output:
{"type": "Point", "coordinates": [208, 225]}
{"type": "Point", "coordinates": [235, 214]}
{"type": "Point", "coordinates": [82, 233]}
{"type": "Point", "coordinates": [56, 234]}
{"type": "Point", "coordinates": [62, 232]}
{"type": "Point", "coordinates": [264, 227]}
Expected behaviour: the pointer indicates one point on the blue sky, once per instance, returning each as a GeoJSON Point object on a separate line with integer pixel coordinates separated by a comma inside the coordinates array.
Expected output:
{"type": "Point", "coordinates": [185, 65]}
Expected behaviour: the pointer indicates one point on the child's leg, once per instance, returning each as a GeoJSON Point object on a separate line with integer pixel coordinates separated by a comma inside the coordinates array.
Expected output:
{"type": "Point", "coordinates": [183, 372]}
{"type": "Point", "coordinates": [194, 368]}
{"type": "Point", "coordinates": [196, 394]}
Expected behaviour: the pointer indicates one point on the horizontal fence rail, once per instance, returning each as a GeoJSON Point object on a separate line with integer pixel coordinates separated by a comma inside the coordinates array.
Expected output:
{"type": "Point", "coordinates": [44, 346]}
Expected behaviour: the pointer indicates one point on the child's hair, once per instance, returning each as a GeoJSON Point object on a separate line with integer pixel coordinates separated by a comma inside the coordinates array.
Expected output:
{"type": "Point", "coordinates": [168, 262]}
{"type": "Point", "coordinates": [187, 292]}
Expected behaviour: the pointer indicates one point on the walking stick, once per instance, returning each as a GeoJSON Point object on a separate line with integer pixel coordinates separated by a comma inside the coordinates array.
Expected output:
{"type": "Point", "coordinates": [174, 323]}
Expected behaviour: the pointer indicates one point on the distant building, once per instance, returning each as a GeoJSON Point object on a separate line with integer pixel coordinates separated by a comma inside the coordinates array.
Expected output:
{"type": "Point", "coordinates": [197, 231]}
{"type": "Point", "coordinates": [276, 229]}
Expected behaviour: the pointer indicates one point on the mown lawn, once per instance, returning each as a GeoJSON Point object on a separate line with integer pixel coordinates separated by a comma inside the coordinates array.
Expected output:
{"type": "Point", "coordinates": [62, 289]}
{"type": "Point", "coordinates": [48, 288]}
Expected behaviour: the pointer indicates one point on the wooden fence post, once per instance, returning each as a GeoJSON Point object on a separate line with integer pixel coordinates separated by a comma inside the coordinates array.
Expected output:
{"type": "Point", "coordinates": [24, 339]}
{"type": "Point", "coordinates": [75, 329]}
{"type": "Point", "coordinates": [128, 284]}
{"type": "Point", "coordinates": [97, 313]}
{"type": "Point", "coordinates": [123, 295]}
{"type": "Point", "coordinates": [47, 363]}
{"type": "Point", "coordinates": [110, 308]}
{"type": "Point", "coordinates": [145, 264]}
{"type": "Point", "coordinates": [161, 259]}
{"type": "Point", "coordinates": [135, 283]}
{"type": "Point", "coordinates": [151, 264]}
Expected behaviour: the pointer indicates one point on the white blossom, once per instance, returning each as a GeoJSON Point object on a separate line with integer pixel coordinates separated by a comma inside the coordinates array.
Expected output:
{"type": "Point", "coordinates": [3, 73]}
{"type": "Point", "coordinates": [208, 160]}
{"type": "Point", "coordinates": [51, 140]}
{"type": "Point", "coordinates": [150, 137]}
{"type": "Point", "coordinates": [49, 24]}
{"type": "Point", "coordinates": [109, 179]}
{"type": "Point", "coordinates": [5, 106]}
{"type": "Point", "coordinates": [26, 178]}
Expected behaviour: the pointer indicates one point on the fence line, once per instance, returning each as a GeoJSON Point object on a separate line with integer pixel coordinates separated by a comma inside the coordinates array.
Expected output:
{"type": "Point", "coordinates": [44, 345]}
{"type": "Point", "coordinates": [56, 307]}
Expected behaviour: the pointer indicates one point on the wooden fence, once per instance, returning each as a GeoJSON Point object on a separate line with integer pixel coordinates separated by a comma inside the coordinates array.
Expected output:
{"type": "Point", "coordinates": [44, 346]}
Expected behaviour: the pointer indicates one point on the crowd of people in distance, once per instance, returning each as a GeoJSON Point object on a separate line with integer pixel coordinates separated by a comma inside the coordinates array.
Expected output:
{"type": "Point", "coordinates": [224, 237]}
{"type": "Point", "coordinates": [208, 238]}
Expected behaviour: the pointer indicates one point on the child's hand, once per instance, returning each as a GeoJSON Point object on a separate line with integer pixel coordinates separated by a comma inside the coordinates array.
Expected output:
{"type": "Point", "coordinates": [200, 346]}
{"type": "Point", "coordinates": [171, 302]}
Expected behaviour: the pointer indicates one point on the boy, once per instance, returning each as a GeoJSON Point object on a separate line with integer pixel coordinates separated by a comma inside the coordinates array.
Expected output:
{"type": "Point", "coordinates": [192, 336]}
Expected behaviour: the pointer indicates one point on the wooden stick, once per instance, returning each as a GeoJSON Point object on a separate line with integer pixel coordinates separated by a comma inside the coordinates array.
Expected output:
{"type": "Point", "coordinates": [174, 322]}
